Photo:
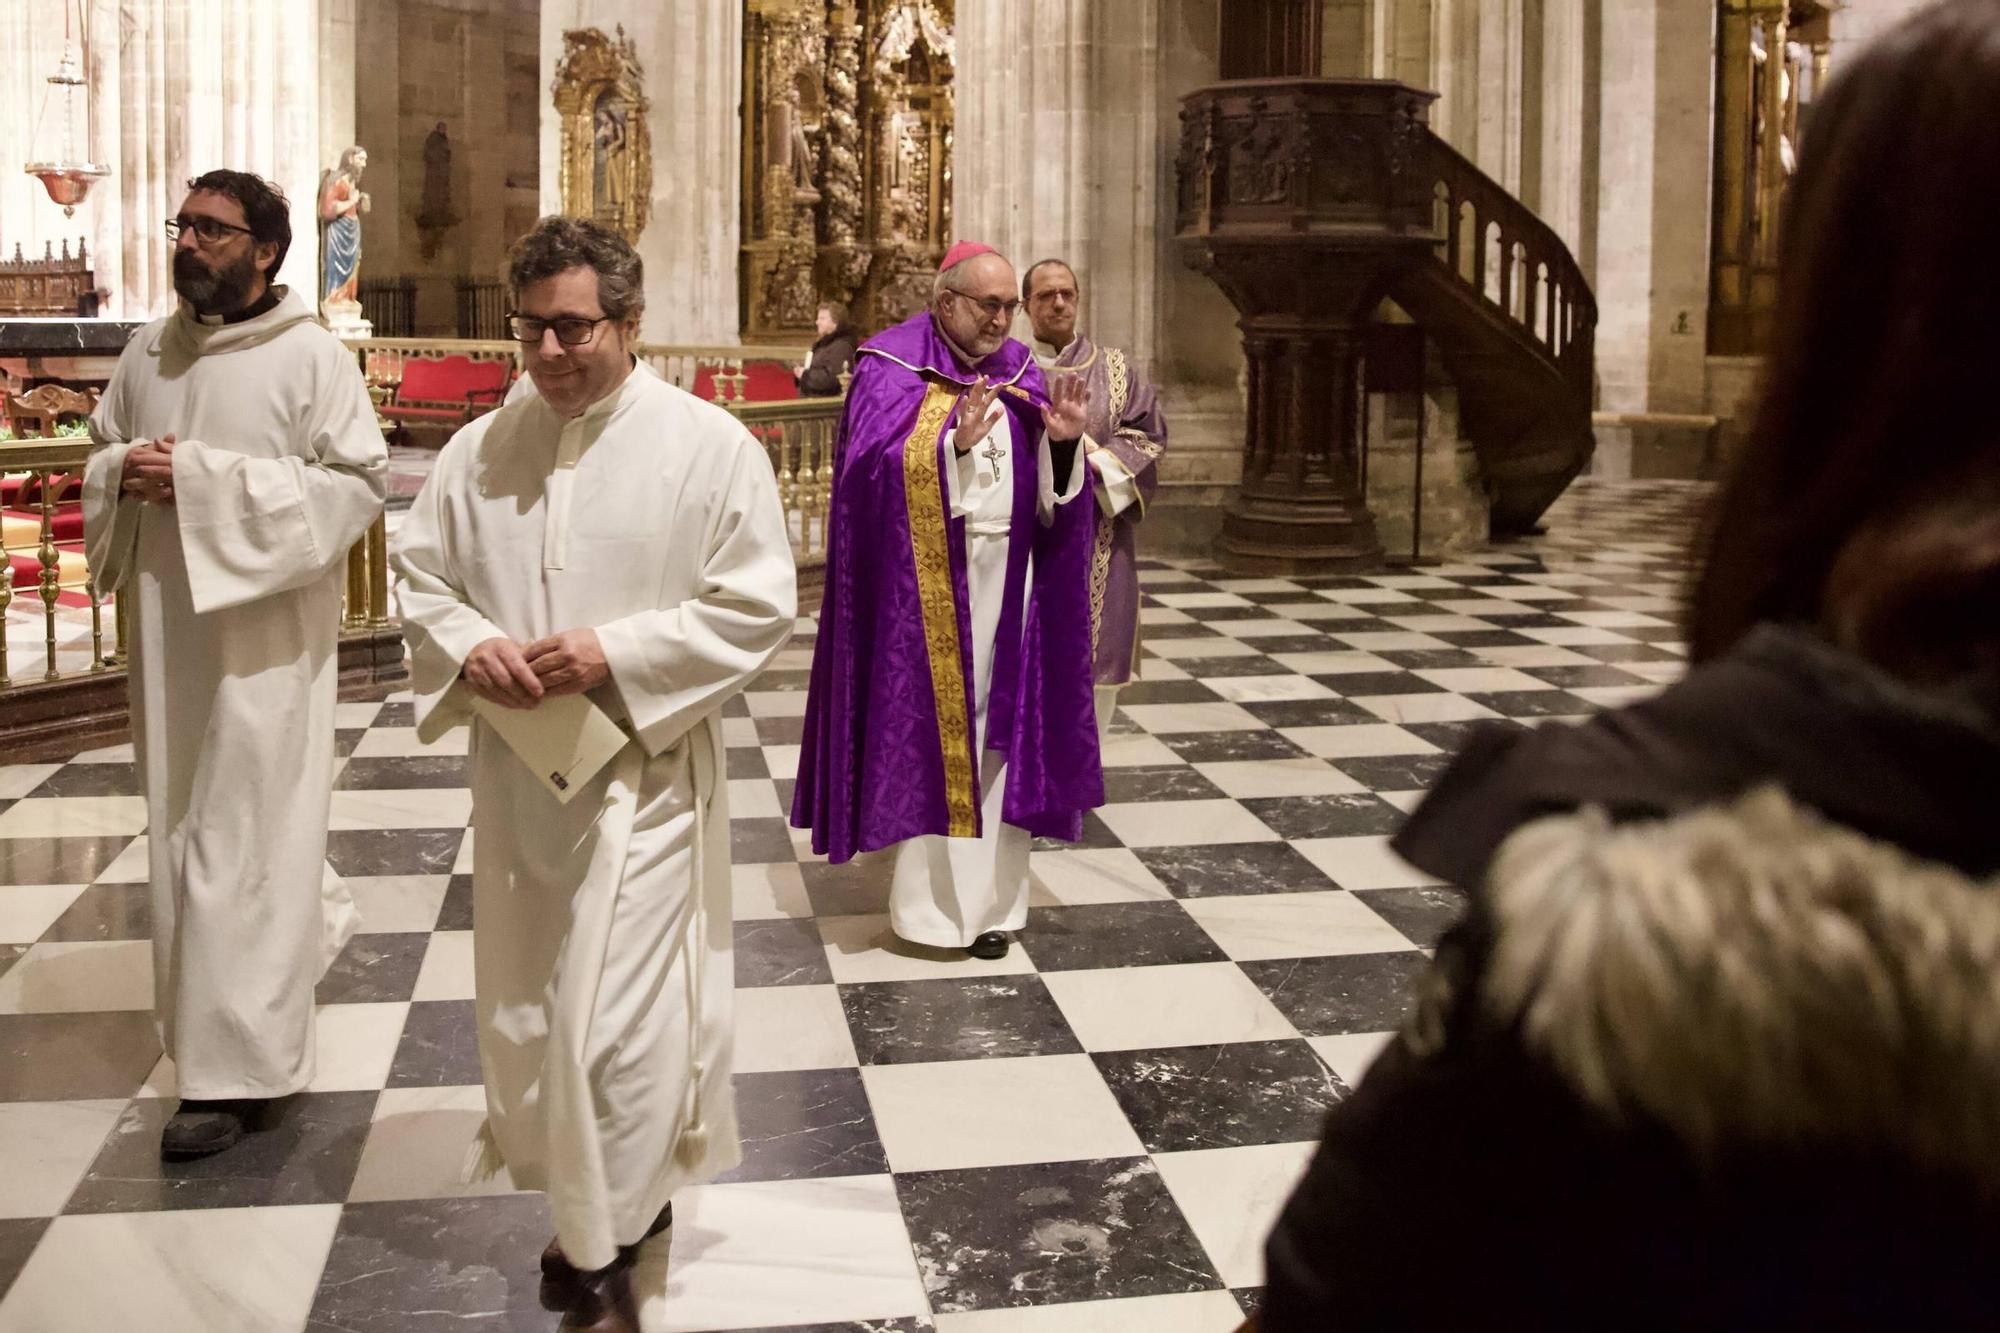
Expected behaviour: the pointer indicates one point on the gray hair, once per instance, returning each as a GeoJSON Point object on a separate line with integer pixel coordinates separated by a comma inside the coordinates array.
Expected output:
{"type": "Point", "coordinates": [559, 244]}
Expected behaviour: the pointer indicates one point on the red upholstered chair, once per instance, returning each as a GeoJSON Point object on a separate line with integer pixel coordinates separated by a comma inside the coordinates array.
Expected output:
{"type": "Point", "coordinates": [448, 391]}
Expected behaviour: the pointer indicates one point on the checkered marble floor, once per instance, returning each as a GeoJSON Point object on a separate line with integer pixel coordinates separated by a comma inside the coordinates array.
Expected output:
{"type": "Point", "coordinates": [1092, 1133]}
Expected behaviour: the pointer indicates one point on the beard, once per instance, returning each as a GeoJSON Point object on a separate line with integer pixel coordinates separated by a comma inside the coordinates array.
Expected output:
{"type": "Point", "coordinates": [214, 291]}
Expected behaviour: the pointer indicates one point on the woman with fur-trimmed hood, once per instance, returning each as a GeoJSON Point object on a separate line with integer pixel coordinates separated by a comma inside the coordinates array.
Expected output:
{"type": "Point", "coordinates": [1717, 1044]}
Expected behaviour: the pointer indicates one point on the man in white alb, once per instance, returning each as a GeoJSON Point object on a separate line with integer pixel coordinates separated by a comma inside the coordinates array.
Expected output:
{"type": "Point", "coordinates": [236, 459]}
{"type": "Point", "coordinates": [612, 536]}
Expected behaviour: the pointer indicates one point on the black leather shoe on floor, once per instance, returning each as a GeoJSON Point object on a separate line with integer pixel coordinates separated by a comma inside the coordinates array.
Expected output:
{"type": "Point", "coordinates": [603, 1301]}
{"type": "Point", "coordinates": [992, 944]}
{"type": "Point", "coordinates": [562, 1283]}
{"type": "Point", "coordinates": [204, 1128]}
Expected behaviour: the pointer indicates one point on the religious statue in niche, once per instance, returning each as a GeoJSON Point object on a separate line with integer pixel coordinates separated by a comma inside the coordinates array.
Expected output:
{"type": "Point", "coordinates": [607, 155]}
{"type": "Point", "coordinates": [341, 204]}
{"type": "Point", "coordinates": [435, 215]}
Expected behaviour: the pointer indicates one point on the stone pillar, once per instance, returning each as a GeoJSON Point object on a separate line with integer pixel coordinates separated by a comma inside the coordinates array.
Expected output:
{"type": "Point", "coordinates": [338, 26]}
{"type": "Point", "coordinates": [692, 55]}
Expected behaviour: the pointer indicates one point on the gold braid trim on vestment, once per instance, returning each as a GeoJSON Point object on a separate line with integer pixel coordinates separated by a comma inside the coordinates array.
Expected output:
{"type": "Point", "coordinates": [1100, 577]}
{"type": "Point", "coordinates": [930, 544]}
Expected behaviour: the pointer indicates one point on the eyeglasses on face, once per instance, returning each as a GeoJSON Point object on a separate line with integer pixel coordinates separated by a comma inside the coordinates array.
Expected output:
{"type": "Point", "coordinates": [207, 230]}
{"type": "Point", "coordinates": [992, 307]}
{"type": "Point", "coordinates": [571, 330]}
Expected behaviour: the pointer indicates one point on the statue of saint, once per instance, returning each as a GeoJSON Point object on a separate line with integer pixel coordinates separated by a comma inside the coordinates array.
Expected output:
{"type": "Point", "coordinates": [609, 175]}
{"type": "Point", "coordinates": [341, 204]}
{"type": "Point", "coordinates": [435, 211]}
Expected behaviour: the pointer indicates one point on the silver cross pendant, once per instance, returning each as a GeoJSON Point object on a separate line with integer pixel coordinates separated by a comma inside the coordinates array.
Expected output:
{"type": "Point", "coordinates": [993, 455]}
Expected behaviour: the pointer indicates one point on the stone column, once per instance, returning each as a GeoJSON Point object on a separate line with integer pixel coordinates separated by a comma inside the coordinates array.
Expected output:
{"type": "Point", "coordinates": [692, 55]}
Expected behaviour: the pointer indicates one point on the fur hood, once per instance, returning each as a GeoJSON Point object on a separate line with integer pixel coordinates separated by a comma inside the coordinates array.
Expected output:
{"type": "Point", "coordinates": [1748, 975]}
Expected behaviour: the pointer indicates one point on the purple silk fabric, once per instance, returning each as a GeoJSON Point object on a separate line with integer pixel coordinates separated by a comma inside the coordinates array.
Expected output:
{"type": "Point", "coordinates": [871, 763]}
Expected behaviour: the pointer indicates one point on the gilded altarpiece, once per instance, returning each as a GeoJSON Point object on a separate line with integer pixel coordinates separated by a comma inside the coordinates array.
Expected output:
{"type": "Point", "coordinates": [847, 148]}
{"type": "Point", "coordinates": [607, 150]}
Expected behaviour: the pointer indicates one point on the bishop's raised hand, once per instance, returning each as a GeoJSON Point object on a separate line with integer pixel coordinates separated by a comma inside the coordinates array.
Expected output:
{"type": "Point", "coordinates": [1069, 403]}
{"type": "Point", "coordinates": [975, 417]}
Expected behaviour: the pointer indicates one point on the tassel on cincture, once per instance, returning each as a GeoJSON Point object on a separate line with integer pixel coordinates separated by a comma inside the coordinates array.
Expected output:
{"type": "Point", "coordinates": [482, 1157]}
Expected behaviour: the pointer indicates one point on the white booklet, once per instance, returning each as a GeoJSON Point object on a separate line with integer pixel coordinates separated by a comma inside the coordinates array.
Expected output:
{"type": "Point", "coordinates": [564, 740]}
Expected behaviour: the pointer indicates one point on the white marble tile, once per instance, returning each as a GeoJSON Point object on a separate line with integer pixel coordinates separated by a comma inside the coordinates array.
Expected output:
{"type": "Point", "coordinates": [402, 743]}
{"type": "Point", "coordinates": [87, 977]}
{"type": "Point", "coordinates": [1179, 719]}
{"type": "Point", "coordinates": [1186, 1312]}
{"type": "Point", "coordinates": [781, 760]}
{"type": "Point", "coordinates": [1660, 673]}
{"type": "Point", "coordinates": [1249, 779]}
{"type": "Point", "coordinates": [1439, 624]}
{"type": "Point", "coordinates": [968, 1113]}
{"type": "Point", "coordinates": [1333, 663]}
{"type": "Point", "coordinates": [26, 910]}
{"type": "Point", "coordinates": [863, 948]}
{"type": "Point", "coordinates": [199, 1270]}
{"type": "Point", "coordinates": [446, 973]}
{"type": "Point", "coordinates": [739, 731]}
{"type": "Point", "coordinates": [1266, 689]}
{"type": "Point", "coordinates": [1163, 615]}
{"type": "Point", "coordinates": [1184, 601]}
{"type": "Point", "coordinates": [417, 1146]}
{"type": "Point", "coordinates": [1485, 608]}
{"type": "Point", "coordinates": [1529, 593]}
{"type": "Point", "coordinates": [1151, 577]}
{"type": "Point", "coordinates": [1360, 740]}
{"type": "Point", "coordinates": [1314, 611]}
{"type": "Point", "coordinates": [1614, 696]}
{"type": "Point", "coordinates": [1176, 1004]}
{"type": "Point", "coordinates": [462, 863]}
{"type": "Point", "coordinates": [1394, 641]}
{"type": "Point", "coordinates": [1133, 749]}
{"type": "Point", "coordinates": [792, 1027]}
{"type": "Point", "coordinates": [17, 780]}
{"type": "Point", "coordinates": [1349, 1054]}
{"type": "Point", "coordinates": [1532, 655]}
{"type": "Point", "coordinates": [1406, 801]}
{"type": "Point", "coordinates": [1159, 668]}
{"type": "Point", "coordinates": [1294, 925]}
{"type": "Point", "coordinates": [107, 754]}
{"type": "Point", "coordinates": [129, 866]}
{"type": "Point", "coordinates": [45, 1147]}
{"type": "Point", "coordinates": [793, 659]}
{"type": "Point", "coordinates": [1431, 707]}
{"type": "Point", "coordinates": [1363, 596]}
{"type": "Point", "coordinates": [753, 798]}
{"type": "Point", "coordinates": [1231, 1197]}
{"type": "Point", "coordinates": [774, 1253]}
{"type": "Point", "coordinates": [1362, 863]}
{"type": "Point", "coordinates": [776, 703]}
{"type": "Point", "coordinates": [398, 904]}
{"type": "Point", "coordinates": [73, 817]}
{"type": "Point", "coordinates": [361, 713]}
{"type": "Point", "coordinates": [766, 892]}
{"type": "Point", "coordinates": [1613, 619]}
{"type": "Point", "coordinates": [1087, 875]}
{"type": "Point", "coordinates": [1483, 680]}
{"type": "Point", "coordinates": [355, 1045]}
{"type": "Point", "coordinates": [1574, 636]}
{"type": "Point", "coordinates": [1257, 585]}
{"type": "Point", "coordinates": [400, 697]}
{"type": "Point", "coordinates": [1219, 645]}
{"type": "Point", "coordinates": [1260, 629]}
{"type": "Point", "coordinates": [423, 807]}
{"type": "Point", "coordinates": [1183, 823]}
{"type": "Point", "coordinates": [1409, 581]}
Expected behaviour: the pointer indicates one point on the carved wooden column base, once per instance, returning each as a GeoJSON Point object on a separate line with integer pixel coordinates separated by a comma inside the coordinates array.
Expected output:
{"type": "Point", "coordinates": [1297, 535]}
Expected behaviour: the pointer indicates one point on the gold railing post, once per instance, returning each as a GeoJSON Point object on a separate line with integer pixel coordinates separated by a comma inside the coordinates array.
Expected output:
{"type": "Point", "coordinates": [96, 626]}
{"type": "Point", "coordinates": [120, 628]}
{"type": "Point", "coordinates": [6, 602]}
{"type": "Point", "coordinates": [378, 572]}
{"type": "Point", "coordinates": [354, 610]}
{"type": "Point", "coordinates": [51, 562]}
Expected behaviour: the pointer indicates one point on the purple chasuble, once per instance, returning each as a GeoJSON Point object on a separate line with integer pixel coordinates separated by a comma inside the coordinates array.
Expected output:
{"type": "Point", "coordinates": [887, 753]}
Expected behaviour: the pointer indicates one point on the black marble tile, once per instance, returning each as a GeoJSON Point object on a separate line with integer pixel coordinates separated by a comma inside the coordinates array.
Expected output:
{"type": "Point", "coordinates": [419, 1265]}
{"type": "Point", "coordinates": [1373, 684]}
{"type": "Point", "coordinates": [456, 911]}
{"type": "Point", "coordinates": [1451, 737]}
{"type": "Point", "coordinates": [1423, 914]}
{"type": "Point", "coordinates": [911, 1022]}
{"type": "Point", "coordinates": [1341, 816]}
{"type": "Point", "coordinates": [91, 780]}
{"type": "Point", "coordinates": [1618, 652]}
{"type": "Point", "coordinates": [18, 1238]}
{"type": "Point", "coordinates": [403, 773]}
{"type": "Point", "coordinates": [1485, 638]}
{"type": "Point", "coordinates": [760, 840]}
{"type": "Point", "coordinates": [1366, 992]}
{"type": "Point", "coordinates": [106, 912]}
{"type": "Point", "coordinates": [1061, 939]}
{"type": "Point", "coordinates": [57, 860]}
{"type": "Point", "coordinates": [1326, 582]}
{"type": "Point", "coordinates": [11, 954]}
{"type": "Point", "coordinates": [1096, 833]}
{"type": "Point", "coordinates": [908, 1324]}
{"type": "Point", "coordinates": [353, 852]}
{"type": "Point", "coordinates": [1283, 598]}
{"type": "Point", "coordinates": [345, 739]}
{"type": "Point", "coordinates": [439, 1047]}
{"type": "Point", "coordinates": [805, 1124]}
{"type": "Point", "coordinates": [1584, 677]}
{"type": "Point", "coordinates": [1534, 703]}
{"type": "Point", "coordinates": [1395, 772]}
{"type": "Point", "coordinates": [785, 788]}
{"type": "Point", "coordinates": [1209, 615]}
{"type": "Point", "coordinates": [1176, 783]}
{"type": "Point", "coordinates": [780, 730]}
{"type": "Point", "coordinates": [403, 713]}
{"type": "Point", "coordinates": [1050, 1233]}
{"type": "Point", "coordinates": [1653, 633]}
{"type": "Point", "coordinates": [374, 968]}
{"type": "Point", "coordinates": [300, 1149]}
{"type": "Point", "coordinates": [746, 761]}
{"type": "Point", "coordinates": [1233, 869]}
{"type": "Point", "coordinates": [780, 952]}
{"type": "Point", "coordinates": [1166, 692]}
{"type": "Point", "coordinates": [1249, 1299]}
{"type": "Point", "coordinates": [1530, 617]}
{"type": "Point", "coordinates": [1309, 712]}
{"type": "Point", "coordinates": [77, 1056]}
{"type": "Point", "coordinates": [854, 888]}
{"type": "Point", "coordinates": [1176, 630]}
{"type": "Point", "coordinates": [1315, 642]}
{"type": "Point", "coordinates": [1431, 659]}
{"type": "Point", "coordinates": [1229, 668]}
{"type": "Point", "coordinates": [1221, 747]}
{"type": "Point", "coordinates": [1230, 1096]}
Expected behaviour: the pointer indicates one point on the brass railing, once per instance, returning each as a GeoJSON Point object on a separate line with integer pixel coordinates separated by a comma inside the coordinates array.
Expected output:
{"type": "Point", "coordinates": [799, 436]}
{"type": "Point", "coordinates": [679, 364]}
{"type": "Point", "coordinates": [64, 657]}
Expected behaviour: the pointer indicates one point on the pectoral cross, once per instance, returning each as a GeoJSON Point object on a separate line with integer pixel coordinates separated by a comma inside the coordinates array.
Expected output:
{"type": "Point", "coordinates": [992, 454]}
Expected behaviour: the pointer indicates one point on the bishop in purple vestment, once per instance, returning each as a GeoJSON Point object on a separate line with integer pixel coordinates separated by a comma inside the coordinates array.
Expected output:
{"type": "Point", "coordinates": [1124, 436]}
{"type": "Point", "coordinates": [951, 714]}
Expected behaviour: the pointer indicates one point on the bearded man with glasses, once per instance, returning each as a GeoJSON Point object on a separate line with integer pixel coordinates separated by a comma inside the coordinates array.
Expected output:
{"type": "Point", "coordinates": [613, 537]}
{"type": "Point", "coordinates": [235, 460]}
{"type": "Point", "coordinates": [950, 717]}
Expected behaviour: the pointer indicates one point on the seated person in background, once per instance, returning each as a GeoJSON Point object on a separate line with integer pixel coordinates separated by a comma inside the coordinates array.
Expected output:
{"type": "Point", "coordinates": [832, 356]}
{"type": "Point", "coordinates": [1718, 1042]}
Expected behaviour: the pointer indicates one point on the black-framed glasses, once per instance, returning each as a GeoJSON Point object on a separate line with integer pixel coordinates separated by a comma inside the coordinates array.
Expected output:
{"type": "Point", "coordinates": [207, 230]}
{"type": "Point", "coordinates": [571, 330]}
{"type": "Point", "coordinates": [991, 307]}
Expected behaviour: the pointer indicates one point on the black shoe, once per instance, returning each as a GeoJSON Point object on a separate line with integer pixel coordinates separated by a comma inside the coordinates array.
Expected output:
{"type": "Point", "coordinates": [992, 944]}
{"type": "Point", "coordinates": [603, 1301]}
{"type": "Point", "coordinates": [203, 1128]}
{"type": "Point", "coordinates": [562, 1281]}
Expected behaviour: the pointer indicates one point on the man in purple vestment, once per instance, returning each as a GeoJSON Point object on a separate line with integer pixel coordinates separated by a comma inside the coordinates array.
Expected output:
{"type": "Point", "coordinates": [1124, 436]}
{"type": "Point", "coordinates": [951, 714]}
